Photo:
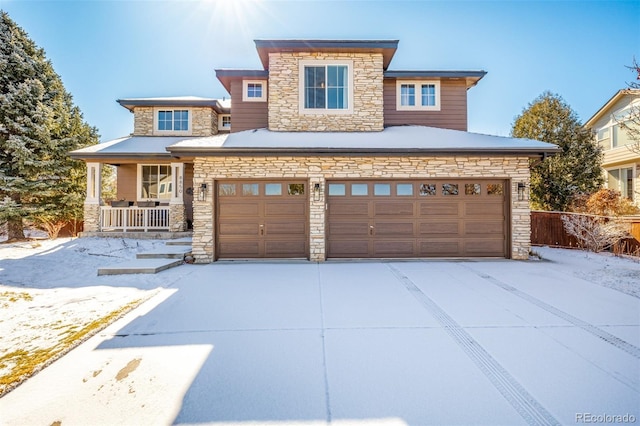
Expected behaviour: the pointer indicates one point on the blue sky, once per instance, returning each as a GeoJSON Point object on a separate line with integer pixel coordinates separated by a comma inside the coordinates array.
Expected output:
{"type": "Point", "coordinates": [105, 50]}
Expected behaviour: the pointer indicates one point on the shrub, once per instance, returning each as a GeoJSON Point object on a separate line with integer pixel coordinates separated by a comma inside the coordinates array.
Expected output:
{"type": "Point", "coordinates": [608, 202]}
{"type": "Point", "coordinates": [593, 233]}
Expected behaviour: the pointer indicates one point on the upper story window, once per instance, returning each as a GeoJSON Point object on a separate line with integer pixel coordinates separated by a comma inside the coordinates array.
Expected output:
{"type": "Point", "coordinates": [418, 95]}
{"type": "Point", "coordinates": [326, 86]}
{"type": "Point", "coordinates": [254, 91]}
{"type": "Point", "coordinates": [173, 120]}
{"type": "Point", "coordinates": [612, 134]}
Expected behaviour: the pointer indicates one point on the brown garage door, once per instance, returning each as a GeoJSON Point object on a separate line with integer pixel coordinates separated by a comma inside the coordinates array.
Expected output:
{"type": "Point", "coordinates": [425, 218]}
{"type": "Point", "coordinates": [262, 219]}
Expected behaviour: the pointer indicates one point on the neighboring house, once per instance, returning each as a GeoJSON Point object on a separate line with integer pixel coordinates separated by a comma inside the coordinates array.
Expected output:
{"type": "Point", "coordinates": [621, 163]}
{"type": "Point", "coordinates": [330, 154]}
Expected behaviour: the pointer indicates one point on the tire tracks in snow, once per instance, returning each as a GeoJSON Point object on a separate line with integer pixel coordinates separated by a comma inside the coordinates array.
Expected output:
{"type": "Point", "coordinates": [522, 401]}
{"type": "Point", "coordinates": [588, 327]}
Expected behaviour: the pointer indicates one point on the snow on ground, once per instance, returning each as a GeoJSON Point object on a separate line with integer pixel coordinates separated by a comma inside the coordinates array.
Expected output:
{"type": "Point", "coordinates": [51, 298]}
{"type": "Point", "coordinates": [605, 269]}
{"type": "Point", "coordinates": [286, 341]}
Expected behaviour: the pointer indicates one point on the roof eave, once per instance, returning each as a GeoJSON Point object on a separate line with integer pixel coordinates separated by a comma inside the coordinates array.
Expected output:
{"type": "Point", "coordinates": [218, 152]}
{"type": "Point", "coordinates": [471, 77]}
{"type": "Point", "coordinates": [386, 47]}
{"type": "Point", "coordinates": [130, 104]}
{"type": "Point", "coordinates": [128, 156]}
{"type": "Point", "coordinates": [615, 98]}
{"type": "Point", "coordinates": [226, 76]}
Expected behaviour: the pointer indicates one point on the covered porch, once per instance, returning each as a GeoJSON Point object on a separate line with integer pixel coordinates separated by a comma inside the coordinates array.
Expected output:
{"type": "Point", "coordinates": [154, 190]}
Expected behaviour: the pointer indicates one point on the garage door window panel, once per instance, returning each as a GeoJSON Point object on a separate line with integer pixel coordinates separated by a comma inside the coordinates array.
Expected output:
{"type": "Point", "coordinates": [337, 189]}
{"type": "Point", "coordinates": [382, 189]}
{"type": "Point", "coordinates": [227, 189]}
{"type": "Point", "coordinates": [273, 189]}
{"type": "Point", "coordinates": [472, 189]}
{"type": "Point", "coordinates": [295, 189]}
{"type": "Point", "coordinates": [449, 189]}
{"type": "Point", "coordinates": [359, 189]}
{"type": "Point", "coordinates": [428, 189]}
{"type": "Point", "coordinates": [404, 190]}
{"type": "Point", "coordinates": [250, 189]}
{"type": "Point", "coordinates": [495, 189]}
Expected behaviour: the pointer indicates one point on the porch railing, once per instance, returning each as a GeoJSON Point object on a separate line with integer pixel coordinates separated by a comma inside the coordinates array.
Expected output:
{"type": "Point", "coordinates": [134, 218]}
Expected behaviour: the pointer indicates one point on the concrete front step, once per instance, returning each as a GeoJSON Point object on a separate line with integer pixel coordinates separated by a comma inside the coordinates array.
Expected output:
{"type": "Point", "coordinates": [167, 252]}
{"type": "Point", "coordinates": [140, 266]}
{"type": "Point", "coordinates": [180, 242]}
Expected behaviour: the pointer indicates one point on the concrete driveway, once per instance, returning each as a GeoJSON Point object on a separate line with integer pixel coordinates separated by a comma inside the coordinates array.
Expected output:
{"type": "Point", "coordinates": [361, 343]}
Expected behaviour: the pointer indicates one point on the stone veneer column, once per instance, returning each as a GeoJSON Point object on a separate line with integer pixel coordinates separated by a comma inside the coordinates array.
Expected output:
{"type": "Point", "coordinates": [317, 249]}
{"type": "Point", "coordinates": [520, 219]}
{"type": "Point", "coordinates": [203, 208]}
{"type": "Point", "coordinates": [177, 213]}
{"type": "Point", "coordinates": [94, 197]}
{"type": "Point", "coordinates": [91, 217]}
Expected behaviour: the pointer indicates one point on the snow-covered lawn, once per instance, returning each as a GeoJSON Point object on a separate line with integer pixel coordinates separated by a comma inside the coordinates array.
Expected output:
{"type": "Point", "coordinates": [365, 343]}
{"type": "Point", "coordinates": [51, 299]}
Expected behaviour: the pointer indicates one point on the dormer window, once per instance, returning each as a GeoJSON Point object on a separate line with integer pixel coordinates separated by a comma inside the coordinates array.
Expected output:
{"type": "Point", "coordinates": [418, 95]}
{"type": "Point", "coordinates": [254, 91]}
{"type": "Point", "coordinates": [326, 87]}
{"type": "Point", "coordinates": [172, 120]}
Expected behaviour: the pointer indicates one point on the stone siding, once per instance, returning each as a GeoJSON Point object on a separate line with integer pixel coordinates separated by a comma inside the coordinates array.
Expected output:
{"type": "Point", "coordinates": [367, 111]}
{"type": "Point", "coordinates": [143, 121]}
{"type": "Point", "coordinates": [204, 122]}
{"type": "Point", "coordinates": [320, 169]}
{"type": "Point", "coordinates": [177, 217]}
{"type": "Point", "coordinates": [91, 217]}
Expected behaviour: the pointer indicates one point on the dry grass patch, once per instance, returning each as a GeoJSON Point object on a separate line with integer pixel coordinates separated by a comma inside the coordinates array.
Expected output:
{"type": "Point", "coordinates": [39, 326]}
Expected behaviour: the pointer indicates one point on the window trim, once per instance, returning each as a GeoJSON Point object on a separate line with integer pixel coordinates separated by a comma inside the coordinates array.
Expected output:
{"type": "Point", "coordinates": [245, 91]}
{"type": "Point", "coordinates": [634, 179]}
{"type": "Point", "coordinates": [139, 182]}
{"type": "Point", "coordinates": [301, 89]}
{"type": "Point", "coordinates": [156, 121]}
{"type": "Point", "coordinates": [417, 84]}
{"type": "Point", "coordinates": [221, 122]}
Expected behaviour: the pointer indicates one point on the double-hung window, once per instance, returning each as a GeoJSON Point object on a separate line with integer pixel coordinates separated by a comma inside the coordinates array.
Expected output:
{"type": "Point", "coordinates": [173, 120]}
{"type": "Point", "coordinates": [325, 86]}
{"type": "Point", "coordinates": [418, 95]}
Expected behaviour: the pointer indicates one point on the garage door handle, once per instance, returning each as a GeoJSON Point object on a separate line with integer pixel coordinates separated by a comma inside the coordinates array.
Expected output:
{"type": "Point", "coordinates": [261, 229]}
{"type": "Point", "coordinates": [370, 229]}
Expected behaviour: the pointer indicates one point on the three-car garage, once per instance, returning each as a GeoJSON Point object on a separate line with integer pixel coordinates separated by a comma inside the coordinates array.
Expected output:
{"type": "Point", "coordinates": [417, 218]}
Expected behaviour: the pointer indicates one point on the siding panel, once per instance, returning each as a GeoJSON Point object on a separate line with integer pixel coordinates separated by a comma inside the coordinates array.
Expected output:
{"type": "Point", "coordinates": [452, 114]}
{"type": "Point", "coordinates": [246, 115]}
{"type": "Point", "coordinates": [127, 175]}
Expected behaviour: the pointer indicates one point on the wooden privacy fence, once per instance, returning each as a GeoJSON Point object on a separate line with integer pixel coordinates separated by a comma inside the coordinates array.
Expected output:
{"type": "Point", "coordinates": [547, 230]}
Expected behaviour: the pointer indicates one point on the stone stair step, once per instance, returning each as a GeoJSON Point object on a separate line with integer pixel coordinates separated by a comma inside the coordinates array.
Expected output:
{"type": "Point", "coordinates": [180, 242]}
{"type": "Point", "coordinates": [140, 266]}
{"type": "Point", "coordinates": [168, 252]}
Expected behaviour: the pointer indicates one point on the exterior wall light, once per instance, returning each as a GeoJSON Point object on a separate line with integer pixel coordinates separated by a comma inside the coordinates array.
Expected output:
{"type": "Point", "coordinates": [521, 191]}
{"type": "Point", "coordinates": [316, 192]}
{"type": "Point", "coordinates": [202, 194]}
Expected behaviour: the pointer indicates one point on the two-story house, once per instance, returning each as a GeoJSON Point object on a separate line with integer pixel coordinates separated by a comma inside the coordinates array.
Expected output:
{"type": "Point", "coordinates": [329, 154]}
{"type": "Point", "coordinates": [621, 162]}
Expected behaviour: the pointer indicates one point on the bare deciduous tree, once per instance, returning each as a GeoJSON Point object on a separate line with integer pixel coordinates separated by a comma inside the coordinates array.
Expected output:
{"type": "Point", "coordinates": [630, 122]}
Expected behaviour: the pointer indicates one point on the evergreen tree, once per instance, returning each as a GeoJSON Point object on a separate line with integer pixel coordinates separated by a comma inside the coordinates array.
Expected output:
{"type": "Point", "coordinates": [556, 180]}
{"type": "Point", "coordinates": [39, 125]}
